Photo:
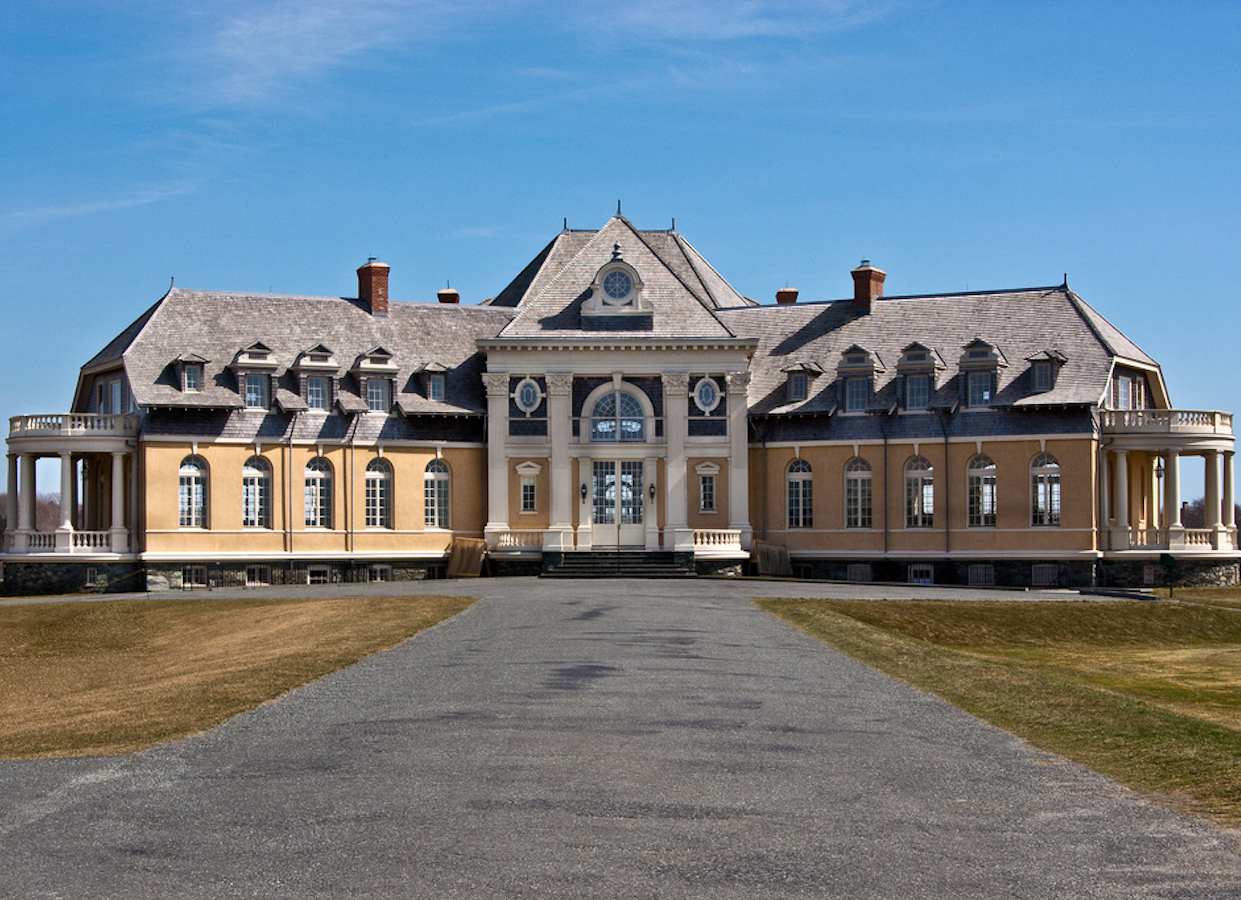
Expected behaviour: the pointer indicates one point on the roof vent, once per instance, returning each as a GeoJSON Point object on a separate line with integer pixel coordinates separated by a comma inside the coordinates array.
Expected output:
{"type": "Point", "coordinates": [786, 296]}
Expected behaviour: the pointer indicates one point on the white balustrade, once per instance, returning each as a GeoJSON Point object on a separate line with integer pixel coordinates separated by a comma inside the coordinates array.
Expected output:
{"type": "Point", "coordinates": [717, 540]}
{"type": "Point", "coordinates": [70, 424]}
{"type": "Point", "coordinates": [1198, 537]}
{"type": "Point", "coordinates": [1165, 421]}
{"type": "Point", "coordinates": [513, 541]}
{"type": "Point", "coordinates": [1148, 537]}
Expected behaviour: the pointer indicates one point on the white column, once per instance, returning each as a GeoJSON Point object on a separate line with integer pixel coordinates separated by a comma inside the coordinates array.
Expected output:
{"type": "Point", "coordinates": [739, 456]}
{"type": "Point", "coordinates": [119, 537]}
{"type": "Point", "coordinates": [676, 428]}
{"type": "Point", "coordinates": [10, 512]}
{"type": "Point", "coordinates": [1120, 532]}
{"type": "Point", "coordinates": [1230, 502]}
{"type": "Point", "coordinates": [26, 488]}
{"type": "Point", "coordinates": [1154, 502]}
{"type": "Point", "coordinates": [560, 428]}
{"type": "Point", "coordinates": [1212, 512]}
{"type": "Point", "coordinates": [1172, 500]}
{"type": "Point", "coordinates": [64, 533]}
{"type": "Point", "coordinates": [496, 384]}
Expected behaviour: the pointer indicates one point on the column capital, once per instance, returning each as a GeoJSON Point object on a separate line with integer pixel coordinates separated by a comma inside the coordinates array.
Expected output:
{"type": "Point", "coordinates": [737, 381]}
{"type": "Point", "coordinates": [560, 384]}
{"type": "Point", "coordinates": [496, 383]}
{"type": "Point", "coordinates": [676, 384]}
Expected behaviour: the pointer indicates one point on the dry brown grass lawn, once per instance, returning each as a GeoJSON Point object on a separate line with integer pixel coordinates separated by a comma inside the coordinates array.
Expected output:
{"type": "Point", "coordinates": [79, 679]}
{"type": "Point", "coordinates": [1148, 693]}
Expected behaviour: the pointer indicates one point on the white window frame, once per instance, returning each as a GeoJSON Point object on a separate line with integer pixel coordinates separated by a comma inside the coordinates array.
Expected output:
{"type": "Point", "coordinates": [258, 391]}
{"type": "Point", "coordinates": [924, 400]}
{"type": "Point", "coordinates": [436, 386]}
{"type": "Point", "coordinates": [857, 393]}
{"type": "Point", "coordinates": [192, 493]}
{"type": "Point", "coordinates": [859, 494]}
{"type": "Point", "coordinates": [318, 393]}
{"type": "Point", "coordinates": [981, 495]}
{"type": "Point", "coordinates": [919, 493]}
{"type": "Point", "coordinates": [378, 494]}
{"type": "Point", "coordinates": [256, 486]}
{"type": "Point", "coordinates": [317, 496]}
{"type": "Point", "coordinates": [799, 386]}
{"type": "Point", "coordinates": [529, 495]}
{"type": "Point", "coordinates": [799, 494]}
{"type": "Point", "coordinates": [378, 395]}
{"type": "Point", "coordinates": [192, 378]}
{"type": "Point", "coordinates": [1045, 491]}
{"type": "Point", "coordinates": [437, 495]}
{"type": "Point", "coordinates": [978, 388]}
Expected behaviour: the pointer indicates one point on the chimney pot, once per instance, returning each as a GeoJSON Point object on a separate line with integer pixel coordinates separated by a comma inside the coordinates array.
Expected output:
{"type": "Point", "coordinates": [867, 285]}
{"type": "Point", "coordinates": [786, 295]}
{"type": "Point", "coordinates": [448, 295]}
{"type": "Point", "coordinates": [373, 286]}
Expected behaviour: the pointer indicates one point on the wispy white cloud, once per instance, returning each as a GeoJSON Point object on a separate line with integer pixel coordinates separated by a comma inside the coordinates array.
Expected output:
{"type": "Point", "coordinates": [254, 53]}
{"type": "Point", "coordinates": [24, 219]}
{"type": "Point", "coordinates": [727, 20]}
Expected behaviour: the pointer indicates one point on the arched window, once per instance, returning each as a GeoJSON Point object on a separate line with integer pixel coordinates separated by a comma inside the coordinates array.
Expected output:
{"type": "Point", "coordinates": [800, 490]}
{"type": "Point", "coordinates": [256, 493]}
{"type": "Point", "coordinates": [192, 493]}
{"type": "Point", "coordinates": [858, 494]}
{"type": "Point", "coordinates": [437, 484]}
{"type": "Point", "coordinates": [318, 493]}
{"type": "Point", "coordinates": [919, 493]}
{"type": "Point", "coordinates": [980, 492]}
{"type": "Point", "coordinates": [1045, 490]}
{"type": "Point", "coordinates": [378, 494]}
{"type": "Point", "coordinates": [617, 416]}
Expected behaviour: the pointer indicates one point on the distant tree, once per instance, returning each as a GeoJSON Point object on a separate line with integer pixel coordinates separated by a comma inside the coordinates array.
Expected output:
{"type": "Point", "coordinates": [1194, 513]}
{"type": "Point", "coordinates": [46, 512]}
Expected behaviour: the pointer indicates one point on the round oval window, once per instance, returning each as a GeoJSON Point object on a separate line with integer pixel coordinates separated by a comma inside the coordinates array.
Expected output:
{"type": "Point", "coordinates": [528, 396]}
{"type": "Point", "coordinates": [617, 285]}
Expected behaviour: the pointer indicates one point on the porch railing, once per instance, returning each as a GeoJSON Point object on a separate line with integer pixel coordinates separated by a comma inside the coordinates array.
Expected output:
{"type": "Point", "coordinates": [518, 541]}
{"type": "Point", "coordinates": [717, 540]}
{"type": "Point", "coordinates": [71, 424]}
{"type": "Point", "coordinates": [1165, 421]}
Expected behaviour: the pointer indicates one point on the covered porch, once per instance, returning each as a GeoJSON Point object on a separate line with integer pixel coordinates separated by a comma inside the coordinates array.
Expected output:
{"type": "Point", "coordinates": [1140, 497]}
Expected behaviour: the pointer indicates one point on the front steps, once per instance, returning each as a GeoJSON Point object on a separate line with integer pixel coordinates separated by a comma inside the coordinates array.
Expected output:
{"type": "Point", "coordinates": [618, 564]}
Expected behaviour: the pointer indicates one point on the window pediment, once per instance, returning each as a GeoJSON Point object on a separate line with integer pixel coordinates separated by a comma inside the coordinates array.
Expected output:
{"type": "Point", "coordinates": [254, 357]}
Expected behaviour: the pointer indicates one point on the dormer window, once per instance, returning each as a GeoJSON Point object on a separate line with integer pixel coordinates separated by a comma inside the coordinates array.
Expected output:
{"type": "Point", "coordinates": [1042, 376]}
{"type": "Point", "coordinates": [318, 392]}
{"type": "Point", "coordinates": [254, 369]}
{"type": "Point", "coordinates": [435, 386]}
{"type": "Point", "coordinates": [434, 380]}
{"type": "Point", "coordinates": [799, 377]}
{"type": "Point", "coordinates": [980, 366]}
{"type": "Point", "coordinates": [189, 368]}
{"type": "Point", "coordinates": [616, 290]}
{"type": "Point", "coordinates": [1043, 369]}
{"type": "Point", "coordinates": [917, 367]}
{"type": "Point", "coordinates": [375, 373]}
{"type": "Point", "coordinates": [378, 395]}
{"type": "Point", "coordinates": [856, 373]}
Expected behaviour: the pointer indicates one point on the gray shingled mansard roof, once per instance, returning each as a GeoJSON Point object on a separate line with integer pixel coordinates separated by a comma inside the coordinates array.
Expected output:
{"type": "Point", "coordinates": [1019, 323]}
{"type": "Point", "coordinates": [217, 324]}
{"type": "Point", "coordinates": [690, 300]}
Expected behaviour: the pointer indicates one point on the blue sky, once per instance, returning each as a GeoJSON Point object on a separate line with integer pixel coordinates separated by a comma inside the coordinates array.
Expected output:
{"type": "Point", "coordinates": [958, 145]}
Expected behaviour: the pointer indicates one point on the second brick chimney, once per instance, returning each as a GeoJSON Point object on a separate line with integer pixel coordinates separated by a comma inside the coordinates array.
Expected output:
{"type": "Point", "coordinates": [867, 285]}
{"type": "Point", "coordinates": [373, 286]}
{"type": "Point", "coordinates": [786, 296]}
{"type": "Point", "coordinates": [448, 295]}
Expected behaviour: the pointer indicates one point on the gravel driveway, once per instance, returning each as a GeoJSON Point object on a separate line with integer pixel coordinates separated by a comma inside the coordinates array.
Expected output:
{"type": "Point", "coordinates": [611, 739]}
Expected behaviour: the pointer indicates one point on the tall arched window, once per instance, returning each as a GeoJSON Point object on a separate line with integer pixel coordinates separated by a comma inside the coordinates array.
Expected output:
{"type": "Point", "coordinates": [919, 493]}
{"type": "Point", "coordinates": [618, 416]}
{"type": "Point", "coordinates": [858, 494]}
{"type": "Point", "coordinates": [256, 493]}
{"type": "Point", "coordinates": [318, 493]}
{"type": "Point", "coordinates": [378, 494]}
{"type": "Point", "coordinates": [800, 491]}
{"type": "Point", "coordinates": [1045, 490]}
{"type": "Point", "coordinates": [980, 492]}
{"type": "Point", "coordinates": [437, 495]}
{"type": "Point", "coordinates": [192, 493]}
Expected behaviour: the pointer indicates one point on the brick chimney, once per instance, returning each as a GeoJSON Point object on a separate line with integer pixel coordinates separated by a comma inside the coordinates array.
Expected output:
{"type": "Point", "coordinates": [786, 295]}
{"type": "Point", "coordinates": [867, 285]}
{"type": "Point", "coordinates": [373, 286]}
{"type": "Point", "coordinates": [448, 295]}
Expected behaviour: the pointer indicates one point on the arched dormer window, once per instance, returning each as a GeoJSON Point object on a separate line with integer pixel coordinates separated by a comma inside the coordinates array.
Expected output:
{"type": "Point", "coordinates": [616, 290]}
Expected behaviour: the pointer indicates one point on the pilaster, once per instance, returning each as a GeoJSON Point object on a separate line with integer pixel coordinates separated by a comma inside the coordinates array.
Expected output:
{"type": "Point", "coordinates": [739, 456]}
{"type": "Point", "coordinates": [676, 429]}
{"type": "Point", "coordinates": [560, 429]}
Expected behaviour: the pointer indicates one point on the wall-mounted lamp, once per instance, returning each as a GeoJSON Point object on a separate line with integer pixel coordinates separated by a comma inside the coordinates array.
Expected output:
{"type": "Point", "coordinates": [652, 490]}
{"type": "Point", "coordinates": [583, 490]}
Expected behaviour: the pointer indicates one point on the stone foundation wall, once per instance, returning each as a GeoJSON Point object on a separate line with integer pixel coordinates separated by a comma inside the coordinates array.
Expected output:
{"type": "Point", "coordinates": [204, 576]}
{"type": "Point", "coordinates": [981, 572]}
{"type": "Point", "coordinates": [24, 579]}
{"type": "Point", "coordinates": [1181, 573]}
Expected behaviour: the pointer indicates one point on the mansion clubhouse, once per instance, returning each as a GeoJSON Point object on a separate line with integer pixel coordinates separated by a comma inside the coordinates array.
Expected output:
{"type": "Point", "coordinates": [619, 395]}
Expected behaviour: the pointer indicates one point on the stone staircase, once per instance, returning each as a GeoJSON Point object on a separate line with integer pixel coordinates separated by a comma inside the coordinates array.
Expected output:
{"type": "Point", "coordinates": [617, 564]}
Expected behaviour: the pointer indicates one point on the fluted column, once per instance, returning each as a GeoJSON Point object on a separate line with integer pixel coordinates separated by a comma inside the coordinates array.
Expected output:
{"type": "Point", "coordinates": [496, 384]}
{"type": "Point", "coordinates": [676, 429]}
{"type": "Point", "coordinates": [560, 428]}
{"type": "Point", "coordinates": [119, 537]}
{"type": "Point", "coordinates": [739, 456]}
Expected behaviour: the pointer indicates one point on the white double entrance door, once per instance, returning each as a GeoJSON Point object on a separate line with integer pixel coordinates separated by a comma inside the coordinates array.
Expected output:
{"type": "Point", "coordinates": [617, 508]}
